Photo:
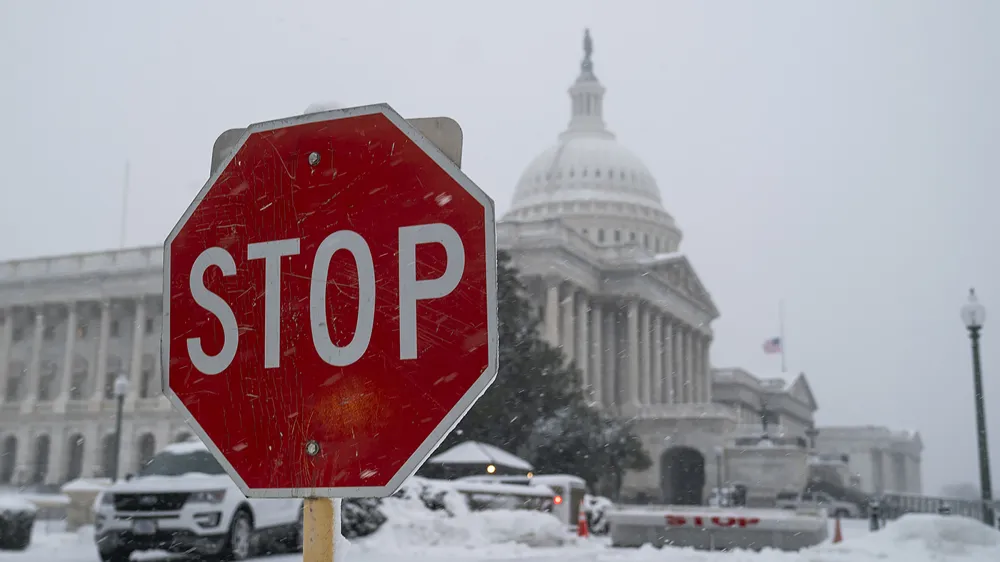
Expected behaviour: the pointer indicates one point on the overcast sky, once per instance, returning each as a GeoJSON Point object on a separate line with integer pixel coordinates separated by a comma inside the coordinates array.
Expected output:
{"type": "Point", "coordinates": [844, 156]}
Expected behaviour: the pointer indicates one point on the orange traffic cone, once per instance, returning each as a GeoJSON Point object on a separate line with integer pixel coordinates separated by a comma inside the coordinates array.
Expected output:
{"type": "Point", "coordinates": [582, 530]}
{"type": "Point", "coordinates": [837, 535]}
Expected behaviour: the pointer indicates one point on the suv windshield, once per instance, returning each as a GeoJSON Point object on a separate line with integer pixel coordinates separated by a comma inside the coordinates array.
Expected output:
{"type": "Point", "coordinates": [171, 464]}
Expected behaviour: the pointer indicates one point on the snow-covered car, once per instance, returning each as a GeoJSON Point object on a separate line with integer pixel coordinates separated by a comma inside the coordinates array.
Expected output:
{"type": "Point", "coordinates": [834, 507]}
{"type": "Point", "coordinates": [17, 517]}
{"type": "Point", "coordinates": [183, 501]}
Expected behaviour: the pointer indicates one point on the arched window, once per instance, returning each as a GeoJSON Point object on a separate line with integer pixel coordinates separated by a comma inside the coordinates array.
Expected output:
{"type": "Point", "coordinates": [74, 457]}
{"type": "Point", "coordinates": [8, 459]}
{"type": "Point", "coordinates": [40, 465]}
{"type": "Point", "coordinates": [147, 382]}
{"type": "Point", "coordinates": [109, 454]}
{"type": "Point", "coordinates": [146, 449]}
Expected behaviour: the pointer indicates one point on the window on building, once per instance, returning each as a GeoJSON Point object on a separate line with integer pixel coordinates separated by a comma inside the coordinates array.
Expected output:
{"type": "Point", "coordinates": [600, 235]}
{"type": "Point", "coordinates": [78, 382]}
{"type": "Point", "coordinates": [147, 384]}
{"type": "Point", "coordinates": [618, 236]}
{"type": "Point", "coordinates": [631, 237]}
{"type": "Point", "coordinates": [115, 329]}
{"type": "Point", "coordinates": [16, 372]}
{"type": "Point", "coordinates": [18, 334]}
{"type": "Point", "coordinates": [81, 332]}
{"type": "Point", "coordinates": [47, 384]}
{"type": "Point", "coordinates": [150, 325]}
{"type": "Point", "coordinates": [597, 173]}
{"type": "Point", "coordinates": [49, 332]}
{"type": "Point", "coordinates": [645, 240]}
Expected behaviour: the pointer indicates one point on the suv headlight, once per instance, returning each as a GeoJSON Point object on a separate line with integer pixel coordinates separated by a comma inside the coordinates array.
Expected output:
{"type": "Point", "coordinates": [211, 496]}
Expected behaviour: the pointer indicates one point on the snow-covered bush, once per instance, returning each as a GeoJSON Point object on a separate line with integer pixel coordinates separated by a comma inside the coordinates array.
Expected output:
{"type": "Point", "coordinates": [436, 495]}
{"type": "Point", "coordinates": [596, 509]}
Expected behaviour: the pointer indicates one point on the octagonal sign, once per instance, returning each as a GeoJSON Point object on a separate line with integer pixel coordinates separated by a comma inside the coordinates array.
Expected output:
{"type": "Point", "coordinates": [330, 304]}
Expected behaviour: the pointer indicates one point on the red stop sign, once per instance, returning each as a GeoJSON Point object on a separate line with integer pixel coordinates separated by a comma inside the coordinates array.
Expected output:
{"type": "Point", "coordinates": [330, 304]}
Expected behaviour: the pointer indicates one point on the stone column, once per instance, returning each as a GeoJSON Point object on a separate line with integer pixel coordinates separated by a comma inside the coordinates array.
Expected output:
{"type": "Point", "coordinates": [101, 369]}
{"type": "Point", "coordinates": [92, 454]}
{"type": "Point", "coordinates": [668, 361]}
{"type": "Point", "coordinates": [6, 337]}
{"type": "Point", "coordinates": [597, 340]}
{"type": "Point", "coordinates": [568, 333]}
{"type": "Point", "coordinates": [57, 456]}
{"type": "Point", "coordinates": [612, 374]}
{"type": "Point", "coordinates": [135, 369]}
{"type": "Point", "coordinates": [552, 312]}
{"type": "Point", "coordinates": [658, 375]}
{"type": "Point", "coordinates": [645, 353]}
{"type": "Point", "coordinates": [632, 337]}
{"type": "Point", "coordinates": [582, 342]}
{"type": "Point", "coordinates": [688, 355]}
{"type": "Point", "coordinates": [706, 367]}
{"type": "Point", "coordinates": [65, 382]}
{"type": "Point", "coordinates": [696, 381]}
{"type": "Point", "coordinates": [31, 384]}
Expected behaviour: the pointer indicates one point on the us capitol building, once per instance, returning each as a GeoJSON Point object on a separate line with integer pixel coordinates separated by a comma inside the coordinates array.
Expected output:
{"type": "Point", "coordinates": [601, 258]}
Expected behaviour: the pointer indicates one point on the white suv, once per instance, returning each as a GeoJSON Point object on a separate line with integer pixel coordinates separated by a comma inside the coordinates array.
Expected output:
{"type": "Point", "coordinates": [183, 501]}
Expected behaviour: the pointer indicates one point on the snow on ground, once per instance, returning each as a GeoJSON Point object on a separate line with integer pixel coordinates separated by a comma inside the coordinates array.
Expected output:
{"type": "Point", "coordinates": [507, 536]}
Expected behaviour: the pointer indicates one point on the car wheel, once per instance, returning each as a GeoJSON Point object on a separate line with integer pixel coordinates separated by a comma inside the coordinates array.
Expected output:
{"type": "Point", "coordinates": [240, 540]}
{"type": "Point", "coordinates": [116, 555]}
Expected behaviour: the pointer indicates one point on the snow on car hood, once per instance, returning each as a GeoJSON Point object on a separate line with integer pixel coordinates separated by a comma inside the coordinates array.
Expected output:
{"type": "Point", "coordinates": [185, 483]}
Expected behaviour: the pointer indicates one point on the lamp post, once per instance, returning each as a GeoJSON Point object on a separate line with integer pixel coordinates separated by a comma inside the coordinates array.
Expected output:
{"type": "Point", "coordinates": [974, 315]}
{"type": "Point", "coordinates": [121, 388]}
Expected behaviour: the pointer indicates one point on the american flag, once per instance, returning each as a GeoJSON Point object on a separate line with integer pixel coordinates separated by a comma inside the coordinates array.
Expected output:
{"type": "Point", "coordinates": [772, 345]}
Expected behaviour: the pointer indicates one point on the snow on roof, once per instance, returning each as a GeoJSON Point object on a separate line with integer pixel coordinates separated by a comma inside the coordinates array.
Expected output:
{"type": "Point", "coordinates": [663, 257]}
{"type": "Point", "coordinates": [185, 447]}
{"type": "Point", "coordinates": [472, 452]}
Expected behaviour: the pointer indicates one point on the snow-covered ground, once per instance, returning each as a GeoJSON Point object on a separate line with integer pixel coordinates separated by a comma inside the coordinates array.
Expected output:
{"type": "Point", "coordinates": [507, 536]}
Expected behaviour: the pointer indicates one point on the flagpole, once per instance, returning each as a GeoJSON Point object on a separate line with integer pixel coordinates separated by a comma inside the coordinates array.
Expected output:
{"type": "Point", "coordinates": [781, 331]}
{"type": "Point", "coordinates": [124, 218]}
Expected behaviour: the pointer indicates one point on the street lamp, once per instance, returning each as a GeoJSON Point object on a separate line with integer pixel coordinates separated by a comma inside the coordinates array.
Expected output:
{"type": "Point", "coordinates": [974, 315]}
{"type": "Point", "coordinates": [121, 388]}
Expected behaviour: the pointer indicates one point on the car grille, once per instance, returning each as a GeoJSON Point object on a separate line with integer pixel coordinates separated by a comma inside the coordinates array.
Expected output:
{"type": "Point", "coordinates": [150, 502]}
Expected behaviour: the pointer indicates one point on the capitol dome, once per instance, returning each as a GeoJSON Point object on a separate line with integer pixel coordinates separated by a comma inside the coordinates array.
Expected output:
{"type": "Point", "coordinates": [592, 183]}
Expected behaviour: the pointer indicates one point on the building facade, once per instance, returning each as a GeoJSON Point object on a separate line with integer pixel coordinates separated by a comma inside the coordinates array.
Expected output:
{"type": "Point", "coordinates": [601, 259]}
{"type": "Point", "coordinates": [69, 326]}
{"type": "Point", "coordinates": [878, 459]}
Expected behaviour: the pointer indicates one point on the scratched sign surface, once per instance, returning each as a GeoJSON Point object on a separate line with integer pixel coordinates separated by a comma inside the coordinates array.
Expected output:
{"type": "Point", "coordinates": [330, 305]}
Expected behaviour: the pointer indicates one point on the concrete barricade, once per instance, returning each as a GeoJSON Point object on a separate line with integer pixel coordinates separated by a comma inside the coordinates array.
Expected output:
{"type": "Point", "coordinates": [81, 493]}
{"type": "Point", "coordinates": [712, 528]}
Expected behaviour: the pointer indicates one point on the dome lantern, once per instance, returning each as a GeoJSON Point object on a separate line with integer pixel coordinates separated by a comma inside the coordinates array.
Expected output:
{"type": "Point", "coordinates": [587, 97]}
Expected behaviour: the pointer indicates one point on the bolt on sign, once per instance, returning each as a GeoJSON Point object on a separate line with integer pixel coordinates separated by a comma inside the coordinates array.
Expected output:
{"type": "Point", "coordinates": [330, 304]}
